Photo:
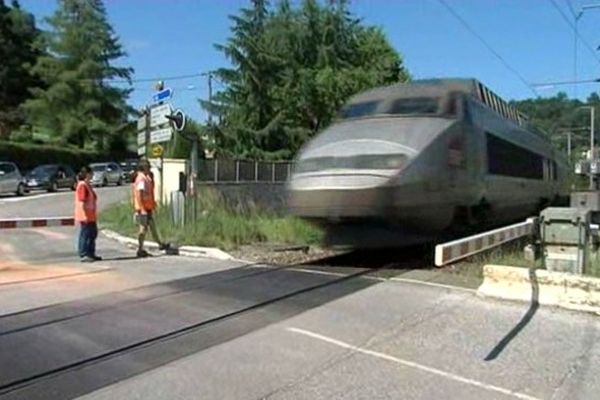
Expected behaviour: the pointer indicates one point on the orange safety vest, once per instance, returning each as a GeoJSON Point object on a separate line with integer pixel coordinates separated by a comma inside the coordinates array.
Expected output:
{"type": "Point", "coordinates": [85, 211]}
{"type": "Point", "coordinates": [145, 199]}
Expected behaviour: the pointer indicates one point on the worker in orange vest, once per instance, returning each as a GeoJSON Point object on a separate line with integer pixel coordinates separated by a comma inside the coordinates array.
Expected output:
{"type": "Point", "coordinates": [86, 216]}
{"type": "Point", "coordinates": [144, 205]}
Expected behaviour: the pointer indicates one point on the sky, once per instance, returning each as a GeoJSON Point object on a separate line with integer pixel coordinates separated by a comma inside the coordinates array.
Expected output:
{"type": "Point", "coordinates": [526, 42]}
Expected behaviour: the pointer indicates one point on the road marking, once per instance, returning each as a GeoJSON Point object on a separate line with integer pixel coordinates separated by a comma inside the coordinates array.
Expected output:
{"type": "Point", "coordinates": [29, 197]}
{"type": "Point", "coordinates": [434, 284]}
{"type": "Point", "coordinates": [414, 365]}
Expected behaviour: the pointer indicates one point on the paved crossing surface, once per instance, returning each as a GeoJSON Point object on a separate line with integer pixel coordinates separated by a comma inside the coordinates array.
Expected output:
{"type": "Point", "coordinates": [171, 327]}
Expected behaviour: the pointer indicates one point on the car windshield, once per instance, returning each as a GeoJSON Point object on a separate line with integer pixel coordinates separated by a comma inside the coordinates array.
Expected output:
{"type": "Point", "coordinates": [99, 168]}
{"type": "Point", "coordinates": [43, 170]}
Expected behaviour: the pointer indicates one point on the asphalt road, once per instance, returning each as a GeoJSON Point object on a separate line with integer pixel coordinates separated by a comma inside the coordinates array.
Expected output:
{"type": "Point", "coordinates": [177, 328]}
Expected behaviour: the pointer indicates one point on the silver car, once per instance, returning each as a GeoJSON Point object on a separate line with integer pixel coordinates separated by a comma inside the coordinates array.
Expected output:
{"type": "Point", "coordinates": [11, 180]}
{"type": "Point", "coordinates": [106, 173]}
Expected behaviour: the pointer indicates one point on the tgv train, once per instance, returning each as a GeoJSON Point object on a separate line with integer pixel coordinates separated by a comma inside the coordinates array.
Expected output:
{"type": "Point", "coordinates": [413, 162]}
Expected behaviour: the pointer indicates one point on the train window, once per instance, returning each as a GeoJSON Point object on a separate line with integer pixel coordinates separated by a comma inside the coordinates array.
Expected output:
{"type": "Point", "coordinates": [415, 105]}
{"type": "Point", "coordinates": [358, 110]}
{"type": "Point", "coordinates": [505, 158]}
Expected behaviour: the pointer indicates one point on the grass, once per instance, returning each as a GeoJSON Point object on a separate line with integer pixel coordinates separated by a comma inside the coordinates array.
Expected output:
{"type": "Point", "coordinates": [218, 225]}
{"type": "Point", "coordinates": [512, 254]}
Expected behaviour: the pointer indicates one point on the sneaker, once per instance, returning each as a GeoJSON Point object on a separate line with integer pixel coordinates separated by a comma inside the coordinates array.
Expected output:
{"type": "Point", "coordinates": [164, 246]}
{"type": "Point", "coordinates": [87, 259]}
{"type": "Point", "coordinates": [97, 258]}
{"type": "Point", "coordinates": [142, 253]}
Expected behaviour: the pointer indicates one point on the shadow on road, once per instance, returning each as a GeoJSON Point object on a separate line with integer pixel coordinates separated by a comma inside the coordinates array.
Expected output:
{"type": "Point", "coordinates": [165, 322]}
{"type": "Point", "coordinates": [533, 307]}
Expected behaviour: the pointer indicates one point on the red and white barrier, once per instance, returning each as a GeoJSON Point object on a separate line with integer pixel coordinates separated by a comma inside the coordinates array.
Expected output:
{"type": "Point", "coordinates": [446, 253]}
{"type": "Point", "coordinates": [36, 222]}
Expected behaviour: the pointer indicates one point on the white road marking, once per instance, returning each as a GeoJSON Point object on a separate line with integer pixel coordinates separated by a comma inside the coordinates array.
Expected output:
{"type": "Point", "coordinates": [434, 284]}
{"type": "Point", "coordinates": [29, 197]}
{"type": "Point", "coordinates": [414, 365]}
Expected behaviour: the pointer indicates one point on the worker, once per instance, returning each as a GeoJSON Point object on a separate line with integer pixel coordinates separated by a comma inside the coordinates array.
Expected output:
{"type": "Point", "coordinates": [86, 216]}
{"type": "Point", "coordinates": [144, 205]}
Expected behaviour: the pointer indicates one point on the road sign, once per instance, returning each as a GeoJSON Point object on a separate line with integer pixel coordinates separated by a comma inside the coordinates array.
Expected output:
{"type": "Point", "coordinates": [161, 135]}
{"type": "Point", "coordinates": [141, 123]}
{"type": "Point", "coordinates": [178, 119]}
{"type": "Point", "coordinates": [141, 150]}
{"type": "Point", "coordinates": [158, 115]}
{"type": "Point", "coordinates": [141, 138]}
{"type": "Point", "coordinates": [162, 95]}
{"type": "Point", "coordinates": [157, 150]}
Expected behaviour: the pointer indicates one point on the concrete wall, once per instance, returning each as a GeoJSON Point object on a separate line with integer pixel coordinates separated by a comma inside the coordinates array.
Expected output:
{"type": "Point", "coordinates": [266, 195]}
{"type": "Point", "coordinates": [269, 196]}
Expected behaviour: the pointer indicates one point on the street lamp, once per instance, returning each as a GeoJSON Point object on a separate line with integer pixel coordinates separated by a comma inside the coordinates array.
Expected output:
{"type": "Point", "coordinates": [592, 152]}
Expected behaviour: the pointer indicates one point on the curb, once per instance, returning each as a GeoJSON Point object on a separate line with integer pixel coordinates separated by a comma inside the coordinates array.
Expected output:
{"type": "Point", "coordinates": [573, 292]}
{"type": "Point", "coordinates": [186, 251]}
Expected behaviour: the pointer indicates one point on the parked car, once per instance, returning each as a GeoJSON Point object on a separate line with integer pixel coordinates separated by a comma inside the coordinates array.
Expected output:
{"type": "Point", "coordinates": [11, 180]}
{"type": "Point", "coordinates": [129, 168]}
{"type": "Point", "coordinates": [51, 177]}
{"type": "Point", "coordinates": [107, 173]}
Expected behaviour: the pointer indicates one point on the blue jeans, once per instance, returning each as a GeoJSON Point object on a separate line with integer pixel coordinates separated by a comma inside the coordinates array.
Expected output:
{"type": "Point", "coordinates": [88, 233]}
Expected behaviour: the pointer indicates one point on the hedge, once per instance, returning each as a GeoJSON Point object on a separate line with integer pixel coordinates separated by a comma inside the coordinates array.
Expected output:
{"type": "Point", "coordinates": [28, 156]}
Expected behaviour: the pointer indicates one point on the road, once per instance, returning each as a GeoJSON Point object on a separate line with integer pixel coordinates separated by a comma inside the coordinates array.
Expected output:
{"type": "Point", "coordinates": [171, 327]}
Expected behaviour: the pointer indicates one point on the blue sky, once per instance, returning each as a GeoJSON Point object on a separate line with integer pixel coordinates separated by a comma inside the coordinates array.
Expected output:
{"type": "Point", "coordinates": [175, 37]}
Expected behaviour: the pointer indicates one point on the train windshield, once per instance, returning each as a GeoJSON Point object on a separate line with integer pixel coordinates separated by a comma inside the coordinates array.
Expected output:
{"type": "Point", "coordinates": [358, 110]}
{"type": "Point", "coordinates": [415, 105]}
{"type": "Point", "coordinates": [402, 106]}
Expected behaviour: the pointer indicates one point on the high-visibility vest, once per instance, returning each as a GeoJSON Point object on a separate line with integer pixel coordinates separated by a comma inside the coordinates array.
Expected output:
{"type": "Point", "coordinates": [145, 199]}
{"type": "Point", "coordinates": [85, 211]}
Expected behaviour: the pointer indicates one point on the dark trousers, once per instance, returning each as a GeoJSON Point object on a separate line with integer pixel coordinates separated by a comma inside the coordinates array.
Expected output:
{"type": "Point", "coordinates": [87, 239]}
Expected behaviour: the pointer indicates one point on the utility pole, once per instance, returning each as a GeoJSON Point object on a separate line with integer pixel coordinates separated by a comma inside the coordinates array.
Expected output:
{"type": "Point", "coordinates": [592, 152]}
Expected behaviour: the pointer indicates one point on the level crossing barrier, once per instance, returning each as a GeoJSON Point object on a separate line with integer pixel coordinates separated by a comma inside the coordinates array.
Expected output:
{"type": "Point", "coordinates": [36, 222]}
{"type": "Point", "coordinates": [455, 250]}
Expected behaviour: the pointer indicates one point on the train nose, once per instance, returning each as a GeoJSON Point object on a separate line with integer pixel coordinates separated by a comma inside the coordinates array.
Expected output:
{"type": "Point", "coordinates": [347, 180]}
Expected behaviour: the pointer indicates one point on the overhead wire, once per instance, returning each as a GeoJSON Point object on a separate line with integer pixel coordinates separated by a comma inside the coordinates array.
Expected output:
{"type": "Point", "coordinates": [568, 21]}
{"type": "Point", "coordinates": [488, 46]}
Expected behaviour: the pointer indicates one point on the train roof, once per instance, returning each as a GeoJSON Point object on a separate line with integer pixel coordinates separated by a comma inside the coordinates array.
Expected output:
{"type": "Point", "coordinates": [437, 87]}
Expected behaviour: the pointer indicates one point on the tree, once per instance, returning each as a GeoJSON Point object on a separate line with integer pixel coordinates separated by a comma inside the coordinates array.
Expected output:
{"type": "Point", "coordinates": [292, 69]}
{"type": "Point", "coordinates": [19, 51]}
{"type": "Point", "coordinates": [79, 106]}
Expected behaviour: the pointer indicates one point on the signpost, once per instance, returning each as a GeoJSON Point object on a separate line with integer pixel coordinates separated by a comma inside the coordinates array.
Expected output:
{"type": "Point", "coordinates": [156, 125]}
{"type": "Point", "coordinates": [159, 114]}
{"type": "Point", "coordinates": [161, 135]}
{"type": "Point", "coordinates": [157, 150]}
{"type": "Point", "coordinates": [162, 95]}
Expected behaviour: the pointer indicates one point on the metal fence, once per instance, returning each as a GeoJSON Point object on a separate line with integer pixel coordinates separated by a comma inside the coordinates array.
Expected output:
{"type": "Point", "coordinates": [227, 170]}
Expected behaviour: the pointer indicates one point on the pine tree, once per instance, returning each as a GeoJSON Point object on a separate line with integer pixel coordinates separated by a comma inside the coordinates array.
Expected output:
{"type": "Point", "coordinates": [79, 106]}
{"type": "Point", "coordinates": [19, 50]}
{"type": "Point", "coordinates": [292, 69]}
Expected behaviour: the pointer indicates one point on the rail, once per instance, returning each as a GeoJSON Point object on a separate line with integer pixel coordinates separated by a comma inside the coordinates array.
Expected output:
{"type": "Point", "coordinates": [455, 250]}
{"type": "Point", "coordinates": [229, 170]}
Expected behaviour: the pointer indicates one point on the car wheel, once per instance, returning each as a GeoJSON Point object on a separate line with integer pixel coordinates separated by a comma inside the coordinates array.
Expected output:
{"type": "Point", "coordinates": [105, 182]}
{"type": "Point", "coordinates": [120, 181]}
{"type": "Point", "coordinates": [20, 189]}
{"type": "Point", "coordinates": [74, 186]}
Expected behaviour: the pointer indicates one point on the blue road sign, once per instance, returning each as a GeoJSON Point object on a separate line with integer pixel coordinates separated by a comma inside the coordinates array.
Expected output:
{"type": "Point", "coordinates": [163, 95]}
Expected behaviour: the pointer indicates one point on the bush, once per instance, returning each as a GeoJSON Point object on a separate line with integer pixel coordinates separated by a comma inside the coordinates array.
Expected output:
{"type": "Point", "coordinates": [27, 155]}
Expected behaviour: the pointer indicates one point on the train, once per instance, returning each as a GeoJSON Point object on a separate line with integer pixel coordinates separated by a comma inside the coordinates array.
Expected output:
{"type": "Point", "coordinates": [424, 160]}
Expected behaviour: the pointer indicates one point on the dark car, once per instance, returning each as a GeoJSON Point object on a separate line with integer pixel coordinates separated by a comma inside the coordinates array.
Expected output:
{"type": "Point", "coordinates": [51, 177]}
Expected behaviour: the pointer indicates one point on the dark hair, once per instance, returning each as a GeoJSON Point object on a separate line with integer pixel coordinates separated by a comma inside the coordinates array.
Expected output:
{"type": "Point", "coordinates": [83, 173]}
{"type": "Point", "coordinates": [142, 165]}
